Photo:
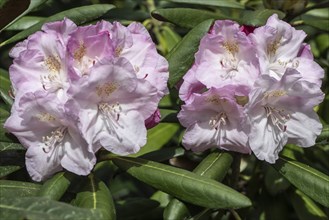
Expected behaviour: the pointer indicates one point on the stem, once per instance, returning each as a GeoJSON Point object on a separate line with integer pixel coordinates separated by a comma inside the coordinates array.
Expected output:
{"type": "Point", "coordinates": [235, 214]}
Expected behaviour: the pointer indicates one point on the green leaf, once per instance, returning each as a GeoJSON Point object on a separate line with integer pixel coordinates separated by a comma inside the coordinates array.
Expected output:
{"type": "Point", "coordinates": [157, 137]}
{"type": "Point", "coordinates": [305, 208]}
{"type": "Point", "coordinates": [183, 184]}
{"type": "Point", "coordinates": [78, 15]}
{"type": "Point", "coordinates": [24, 23]}
{"type": "Point", "coordinates": [170, 37]}
{"type": "Point", "coordinates": [324, 134]}
{"type": "Point", "coordinates": [4, 146]}
{"type": "Point", "coordinates": [5, 97]}
{"type": "Point", "coordinates": [322, 24]}
{"type": "Point", "coordinates": [33, 5]}
{"type": "Point", "coordinates": [96, 196]}
{"type": "Point", "coordinates": [134, 207]}
{"type": "Point", "coordinates": [5, 170]}
{"type": "Point", "coordinates": [9, 188]}
{"type": "Point", "coordinates": [307, 179]}
{"type": "Point", "coordinates": [215, 165]}
{"type": "Point", "coordinates": [218, 3]}
{"type": "Point", "coordinates": [4, 79]}
{"type": "Point", "coordinates": [181, 57]}
{"type": "Point", "coordinates": [42, 208]}
{"type": "Point", "coordinates": [185, 17]}
{"type": "Point", "coordinates": [176, 210]}
{"type": "Point", "coordinates": [259, 17]}
{"type": "Point", "coordinates": [55, 187]}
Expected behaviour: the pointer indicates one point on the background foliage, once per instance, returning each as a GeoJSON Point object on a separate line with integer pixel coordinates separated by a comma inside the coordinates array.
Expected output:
{"type": "Point", "coordinates": [163, 180]}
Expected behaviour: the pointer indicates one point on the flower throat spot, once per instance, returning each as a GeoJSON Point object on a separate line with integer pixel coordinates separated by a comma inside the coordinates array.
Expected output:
{"type": "Point", "coordinates": [53, 64]}
{"type": "Point", "coordinates": [275, 93]}
{"type": "Point", "coordinates": [106, 90]}
{"type": "Point", "coordinates": [231, 47]}
{"type": "Point", "coordinates": [46, 117]}
{"type": "Point", "coordinates": [80, 52]}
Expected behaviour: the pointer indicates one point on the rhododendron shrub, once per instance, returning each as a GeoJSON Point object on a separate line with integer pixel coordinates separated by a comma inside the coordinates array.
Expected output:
{"type": "Point", "coordinates": [273, 82]}
{"type": "Point", "coordinates": [100, 84]}
{"type": "Point", "coordinates": [164, 109]}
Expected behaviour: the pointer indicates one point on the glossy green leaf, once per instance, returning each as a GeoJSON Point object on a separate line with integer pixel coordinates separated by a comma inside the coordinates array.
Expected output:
{"type": "Point", "coordinates": [4, 94]}
{"type": "Point", "coordinates": [176, 210]}
{"type": "Point", "coordinates": [307, 179]}
{"type": "Point", "coordinates": [10, 146]}
{"type": "Point", "coordinates": [96, 196]}
{"type": "Point", "coordinates": [183, 184]}
{"type": "Point", "coordinates": [4, 79]}
{"type": "Point", "coordinates": [78, 15]}
{"type": "Point", "coordinates": [5, 170]}
{"type": "Point", "coordinates": [133, 207]}
{"type": "Point", "coordinates": [33, 5]}
{"type": "Point", "coordinates": [42, 208]}
{"type": "Point", "coordinates": [157, 137]}
{"type": "Point", "coordinates": [55, 187]}
{"type": "Point", "coordinates": [181, 56]}
{"type": "Point", "coordinates": [215, 165]}
{"type": "Point", "coordinates": [24, 23]}
{"type": "Point", "coordinates": [259, 17]}
{"type": "Point", "coordinates": [218, 3]}
{"type": "Point", "coordinates": [322, 24]}
{"type": "Point", "coordinates": [185, 17]}
{"type": "Point", "coordinates": [171, 38]}
{"type": "Point", "coordinates": [9, 188]}
{"type": "Point", "coordinates": [305, 208]}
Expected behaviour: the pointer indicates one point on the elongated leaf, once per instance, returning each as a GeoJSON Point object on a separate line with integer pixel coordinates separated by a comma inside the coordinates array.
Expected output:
{"type": "Point", "coordinates": [305, 208]}
{"type": "Point", "coordinates": [176, 210]}
{"type": "Point", "coordinates": [10, 146]}
{"type": "Point", "coordinates": [164, 154]}
{"type": "Point", "coordinates": [5, 97]}
{"type": "Point", "coordinates": [96, 196]}
{"type": "Point", "coordinates": [9, 188]}
{"type": "Point", "coordinates": [183, 184]}
{"type": "Point", "coordinates": [4, 79]}
{"type": "Point", "coordinates": [181, 56]}
{"type": "Point", "coordinates": [219, 3]}
{"type": "Point", "coordinates": [275, 183]}
{"type": "Point", "coordinates": [185, 17]}
{"type": "Point", "coordinates": [9, 10]}
{"type": "Point", "coordinates": [170, 36]}
{"type": "Point", "coordinates": [308, 180]}
{"type": "Point", "coordinates": [79, 15]}
{"type": "Point", "coordinates": [157, 137]}
{"type": "Point", "coordinates": [259, 17]}
{"type": "Point", "coordinates": [215, 165]}
{"type": "Point", "coordinates": [322, 24]}
{"type": "Point", "coordinates": [42, 208]}
{"type": "Point", "coordinates": [24, 23]}
{"type": "Point", "coordinates": [5, 170]}
{"type": "Point", "coordinates": [55, 187]}
{"type": "Point", "coordinates": [33, 5]}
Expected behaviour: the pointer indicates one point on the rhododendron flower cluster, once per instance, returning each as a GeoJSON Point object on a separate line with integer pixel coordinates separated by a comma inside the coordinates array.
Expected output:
{"type": "Point", "coordinates": [251, 90]}
{"type": "Point", "coordinates": [78, 89]}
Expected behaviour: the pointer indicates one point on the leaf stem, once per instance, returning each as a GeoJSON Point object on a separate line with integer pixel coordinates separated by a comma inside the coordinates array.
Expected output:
{"type": "Point", "coordinates": [235, 170]}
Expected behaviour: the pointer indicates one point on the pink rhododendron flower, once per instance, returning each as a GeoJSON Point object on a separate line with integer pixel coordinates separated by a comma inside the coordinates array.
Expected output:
{"type": "Point", "coordinates": [112, 105]}
{"type": "Point", "coordinates": [282, 112]}
{"type": "Point", "coordinates": [101, 85]}
{"type": "Point", "coordinates": [212, 119]}
{"type": "Point", "coordinates": [226, 56]}
{"type": "Point", "coordinates": [280, 46]}
{"type": "Point", "coordinates": [273, 82]}
{"type": "Point", "coordinates": [50, 135]}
